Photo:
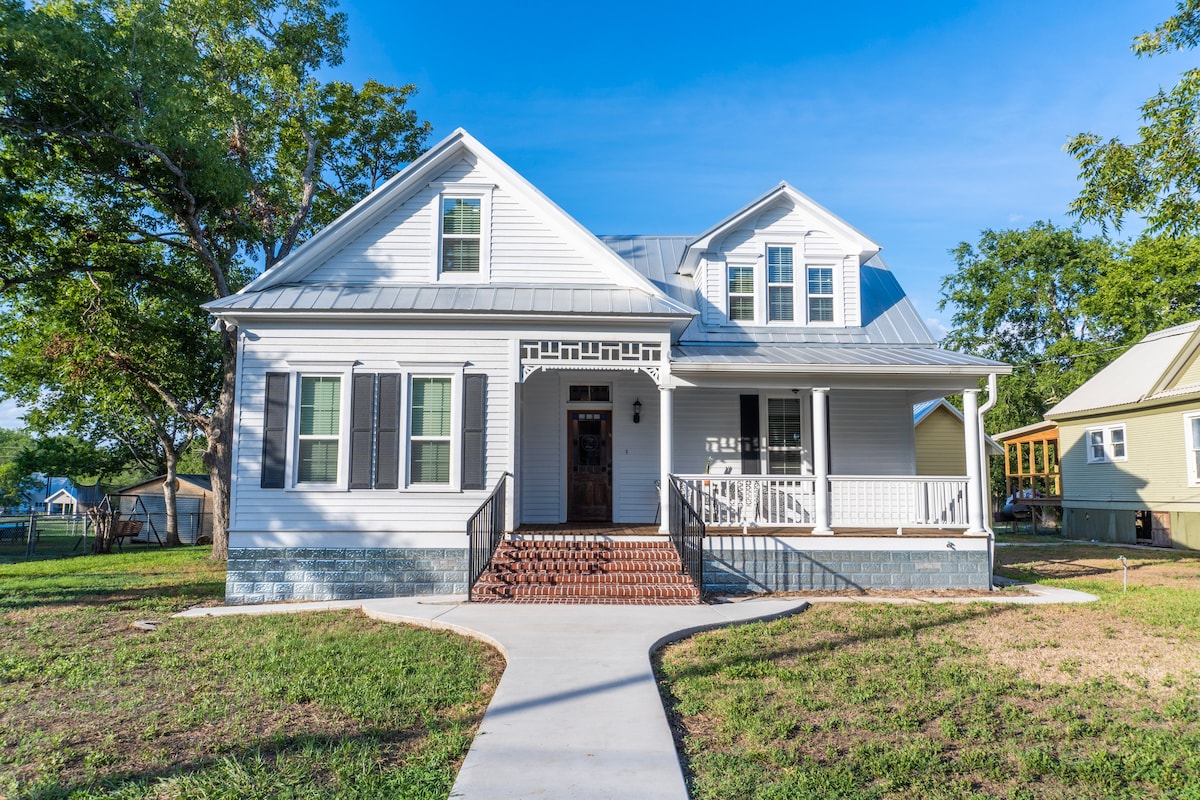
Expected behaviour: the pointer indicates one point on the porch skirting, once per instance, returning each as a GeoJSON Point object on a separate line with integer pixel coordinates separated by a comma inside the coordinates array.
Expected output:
{"type": "Point", "coordinates": [271, 574]}
{"type": "Point", "coordinates": [753, 564]}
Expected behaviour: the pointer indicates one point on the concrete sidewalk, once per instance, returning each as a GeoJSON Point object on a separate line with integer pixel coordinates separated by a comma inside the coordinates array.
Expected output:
{"type": "Point", "coordinates": [577, 713]}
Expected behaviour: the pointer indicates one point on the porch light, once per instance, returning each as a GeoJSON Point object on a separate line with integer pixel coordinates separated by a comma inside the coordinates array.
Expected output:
{"type": "Point", "coordinates": [637, 411]}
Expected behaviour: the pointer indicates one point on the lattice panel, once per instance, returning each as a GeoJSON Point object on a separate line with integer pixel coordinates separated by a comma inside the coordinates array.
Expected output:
{"type": "Point", "coordinates": [566, 352]}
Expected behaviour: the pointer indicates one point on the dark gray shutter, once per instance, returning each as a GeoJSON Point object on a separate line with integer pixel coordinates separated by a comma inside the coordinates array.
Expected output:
{"type": "Point", "coordinates": [474, 408]}
{"type": "Point", "coordinates": [362, 428]}
{"type": "Point", "coordinates": [275, 414]}
{"type": "Point", "coordinates": [751, 449]}
{"type": "Point", "coordinates": [387, 434]}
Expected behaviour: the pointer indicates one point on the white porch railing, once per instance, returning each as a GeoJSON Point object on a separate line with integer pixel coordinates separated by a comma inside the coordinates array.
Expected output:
{"type": "Point", "coordinates": [737, 500]}
{"type": "Point", "coordinates": [855, 500]}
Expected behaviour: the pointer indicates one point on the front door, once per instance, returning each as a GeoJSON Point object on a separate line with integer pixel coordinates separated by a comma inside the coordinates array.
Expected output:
{"type": "Point", "coordinates": [589, 466]}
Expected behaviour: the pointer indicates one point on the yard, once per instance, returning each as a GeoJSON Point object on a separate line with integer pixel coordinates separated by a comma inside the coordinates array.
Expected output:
{"type": "Point", "coordinates": [957, 701]}
{"type": "Point", "coordinates": [303, 705]}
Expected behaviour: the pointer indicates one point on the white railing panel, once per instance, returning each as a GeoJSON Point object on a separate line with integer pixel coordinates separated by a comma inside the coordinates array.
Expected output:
{"type": "Point", "coordinates": [886, 501]}
{"type": "Point", "coordinates": [743, 500]}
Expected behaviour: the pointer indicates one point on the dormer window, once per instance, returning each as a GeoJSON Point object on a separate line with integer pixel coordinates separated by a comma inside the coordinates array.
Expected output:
{"type": "Point", "coordinates": [461, 234]}
{"type": "Point", "coordinates": [741, 294]}
{"type": "Point", "coordinates": [820, 294]}
{"type": "Point", "coordinates": [780, 292]}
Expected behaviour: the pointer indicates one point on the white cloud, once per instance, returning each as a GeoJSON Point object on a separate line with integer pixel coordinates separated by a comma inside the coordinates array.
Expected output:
{"type": "Point", "coordinates": [10, 415]}
{"type": "Point", "coordinates": [936, 327]}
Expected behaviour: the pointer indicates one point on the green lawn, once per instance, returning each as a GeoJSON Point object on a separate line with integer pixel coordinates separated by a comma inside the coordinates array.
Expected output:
{"type": "Point", "coordinates": [956, 701]}
{"type": "Point", "coordinates": [304, 705]}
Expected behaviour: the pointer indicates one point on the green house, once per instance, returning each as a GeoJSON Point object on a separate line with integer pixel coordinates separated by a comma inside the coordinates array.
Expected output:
{"type": "Point", "coordinates": [1129, 443]}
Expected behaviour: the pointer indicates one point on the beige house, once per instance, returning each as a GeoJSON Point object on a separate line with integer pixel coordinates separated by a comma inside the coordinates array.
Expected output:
{"type": "Point", "coordinates": [938, 436]}
{"type": "Point", "coordinates": [1129, 443]}
{"type": "Point", "coordinates": [193, 503]}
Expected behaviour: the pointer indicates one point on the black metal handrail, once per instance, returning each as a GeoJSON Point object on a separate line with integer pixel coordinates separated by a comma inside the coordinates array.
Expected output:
{"type": "Point", "coordinates": [485, 530]}
{"type": "Point", "coordinates": [687, 534]}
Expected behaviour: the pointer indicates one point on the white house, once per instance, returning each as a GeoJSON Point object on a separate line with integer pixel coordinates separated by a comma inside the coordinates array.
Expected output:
{"type": "Point", "coordinates": [456, 327]}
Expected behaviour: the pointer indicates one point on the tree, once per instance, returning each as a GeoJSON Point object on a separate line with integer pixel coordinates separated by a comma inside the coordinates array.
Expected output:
{"type": "Point", "coordinates": [1025, 297]}
{"type": "Point", "coordinates": [197, 128]}
{"type": "Point", "coordinates": [1158, 176]}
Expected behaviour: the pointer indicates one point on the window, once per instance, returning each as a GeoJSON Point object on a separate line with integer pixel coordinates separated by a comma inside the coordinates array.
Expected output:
{"type": "Point", "coordinates": [1191, 424]}
{"type": "Point", "coordinates": [461, 234]}
{"type": "Point", "coordinates": [318, 430]}
{"type": "Point", "coordinates": [741, 294]}
{"type": "Point", "coordinates": [1105, 444]}
{"type": "Point", "coordinates": [429, 445]}
{"type": "Point", "coordinates": [780, 300]}
{"type": "Point", "coordinates": [820, 294]}
{"type": "Point", "coordinates": [785, 456]}
{"type": "Point", "coordinates": [590, 394]}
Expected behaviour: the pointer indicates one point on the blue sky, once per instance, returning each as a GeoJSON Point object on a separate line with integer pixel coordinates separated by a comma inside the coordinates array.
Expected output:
{"type": "Point", "coordinates": [919, 123]}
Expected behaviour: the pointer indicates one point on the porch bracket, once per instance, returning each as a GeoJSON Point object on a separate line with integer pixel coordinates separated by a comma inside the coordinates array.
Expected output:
{"type": "Point", "coordinates": [527, 370]}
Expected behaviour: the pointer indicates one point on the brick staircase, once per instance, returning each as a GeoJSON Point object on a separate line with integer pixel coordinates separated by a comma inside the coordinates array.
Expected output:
{"type": "Point", "coordinates": [585, 570]}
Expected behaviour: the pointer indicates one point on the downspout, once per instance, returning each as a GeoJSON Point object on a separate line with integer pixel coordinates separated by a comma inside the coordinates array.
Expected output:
{"type": "Point", "coordinates": [984, 488]}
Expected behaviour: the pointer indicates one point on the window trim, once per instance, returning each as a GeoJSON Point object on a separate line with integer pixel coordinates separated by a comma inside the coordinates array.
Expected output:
{"type": "Point", "coordinates": [804, 448]}
{"type": "Point", "coordinates": [474, 191]}
{"type": "Point", "coordinates": [833, 294]}
{"type": "Point", "coordinates": [455, 374]}
{"type": "Point", "coordinates": [1106, 442]}
{"type": "Point", "coordinates": [1191, 448]}
{"type": "Point", "coordinates": [769, 284]}
{"type": "Point", "coordinates": [752, 294]}
{"type": "Point", "coordinates": [296, 373]}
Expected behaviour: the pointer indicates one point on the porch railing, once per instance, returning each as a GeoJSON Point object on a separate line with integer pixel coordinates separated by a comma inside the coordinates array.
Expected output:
{"type": "Point", "coordinates": [887, 501]}
{"type": "Point", "coordinates": [855, 500]}
{"type": "Point", "coordinates": [485, 530]}
{"type": "Point", "coordinates": [687, 533]}
{"type": "Point", "coordinates": [739, 500]}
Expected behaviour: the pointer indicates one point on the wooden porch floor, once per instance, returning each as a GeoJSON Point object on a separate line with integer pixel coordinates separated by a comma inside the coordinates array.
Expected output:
{"type": "Point", "coordinates": [651, 529]}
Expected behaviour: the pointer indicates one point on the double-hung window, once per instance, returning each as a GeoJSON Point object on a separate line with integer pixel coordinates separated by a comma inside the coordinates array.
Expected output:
{"type": "Point", "coordinates": [318, 429]}
{"type": "Point", "coordinates": [462, 234]}
{"type": "Point", "coordinates": [431, 430]}
{"type": "Point", "coordinates": [741, 294]}
{"type": "Point", "coordinates": [785, 456]}
{"type": "Point", "coordinates": [820, 294]}
{"type": "Point", "coordinates": [780, 285]}
{"type": "Point", "coordinates": [1191, 424]}
{"type": "Point", "coordinates": [1105, 444]}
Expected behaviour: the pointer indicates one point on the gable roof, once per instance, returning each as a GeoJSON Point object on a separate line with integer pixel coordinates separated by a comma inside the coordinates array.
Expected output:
{"type": "Point", "coordinates": [1146, 372]}
{"type": "Point", "coordinates": [922, 412]}
{"type": "Point", "coordinates": [866, 247]}
{"type": "Point", "coordinates": [292, 270]}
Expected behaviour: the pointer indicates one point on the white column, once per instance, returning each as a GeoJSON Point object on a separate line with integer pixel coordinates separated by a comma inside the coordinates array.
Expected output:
{"type": "Point", "coordinates": [820, 416]}
{"type": "Point", "coordinates": [974, 463]}
{"type": "Point", "coordinates": [666, 395]}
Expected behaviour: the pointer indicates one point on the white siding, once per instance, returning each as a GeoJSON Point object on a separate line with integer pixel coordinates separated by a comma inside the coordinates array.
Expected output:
{"type": "Point", "coordinates": [707, 426]}
{"type": "Point", "coordinates": [399, 248]}
{"type": "Point", "coordinates": [362, 511]}
{"type": "Point", "coordinates": [542, 471]}
{"type": "Point", "coordinates": [871, 433]}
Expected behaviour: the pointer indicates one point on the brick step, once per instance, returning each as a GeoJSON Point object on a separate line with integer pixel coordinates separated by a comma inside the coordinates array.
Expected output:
{"type": "Point", "coordinates": [589, 552]}
{"type": "Point", "coordinates": [563, 578]}
{"type": "Point", "coordinates": [523, 545]}
{"type": "Point", "coordinates": [586, 592]}
{"type": "Point", "coordinates": [506, 564]}
{"type": "Point", "coordinates": [593, 601]}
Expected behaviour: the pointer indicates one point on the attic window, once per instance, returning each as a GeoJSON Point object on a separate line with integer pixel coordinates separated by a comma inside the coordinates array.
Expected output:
{"type": "Point", "coordinates": [780, 299]}
{"type": "Point", "coordinates": [461, 234]}
{"type": "Point", "coordinates": [820, 294]}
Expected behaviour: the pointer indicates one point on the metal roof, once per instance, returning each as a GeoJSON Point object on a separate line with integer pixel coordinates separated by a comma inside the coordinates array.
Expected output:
{"type": "Point", "coordinates": [453, 298]}
{"type": "Point", "coordinates": [827, 357]}
{"type": "Point", "coordinates": [1134, 376]}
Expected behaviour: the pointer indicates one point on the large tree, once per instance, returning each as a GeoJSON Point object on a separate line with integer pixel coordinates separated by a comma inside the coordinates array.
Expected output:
{"type": "Point", "coordinates": [1158, 176]}
{"type": "Point", "coordinates": [204, 128]}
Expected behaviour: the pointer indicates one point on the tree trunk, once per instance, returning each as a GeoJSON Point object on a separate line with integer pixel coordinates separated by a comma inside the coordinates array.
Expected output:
{"type": "Point", "coordinates": [218, 457]}
{"type": "Point", "coordinates": [170, 495]}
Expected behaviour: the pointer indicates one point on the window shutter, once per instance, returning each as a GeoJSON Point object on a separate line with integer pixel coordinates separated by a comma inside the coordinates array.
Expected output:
{"type": "Point", "coordinates": [474, 407]}
{"type": "Point", "coordinates": [275, 414]}
{"type": "Point", "coordinates": [362, 428]}
{"type": "Point", "coordinates": [387, 434]}
{"type": "Point", "coordinates": [751, 450]}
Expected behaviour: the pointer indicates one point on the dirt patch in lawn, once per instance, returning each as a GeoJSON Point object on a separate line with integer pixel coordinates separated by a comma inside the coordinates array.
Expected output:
{"type": "Point", "coordinates": [1147, 567]}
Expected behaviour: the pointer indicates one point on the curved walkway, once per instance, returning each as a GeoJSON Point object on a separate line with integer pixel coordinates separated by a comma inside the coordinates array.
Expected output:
{"type": "Point", "coordinates": [577, 713]}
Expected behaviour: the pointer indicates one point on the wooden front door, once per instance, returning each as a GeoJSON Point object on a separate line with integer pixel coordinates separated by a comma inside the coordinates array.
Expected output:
{"type": "Point", "coordinates": [589, 466]}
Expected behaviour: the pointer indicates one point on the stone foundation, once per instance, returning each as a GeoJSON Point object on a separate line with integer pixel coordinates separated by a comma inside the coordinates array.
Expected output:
{"type": "Point", "coordinates": [744, 571]}
{"type": "Point", "coordinates": [271, 574]}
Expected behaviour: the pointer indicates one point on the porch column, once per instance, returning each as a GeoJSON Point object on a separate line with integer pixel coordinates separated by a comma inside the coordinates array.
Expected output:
{"type": "Point", "coordinates": [820, 413]}
{"type": "Point", "coordinates": [974, 463]}
{"type": "Point", "coordinates": [666, 396]}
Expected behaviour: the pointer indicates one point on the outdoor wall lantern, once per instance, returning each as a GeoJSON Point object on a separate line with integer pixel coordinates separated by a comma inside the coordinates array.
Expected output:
{"type": "Point", "coordinates": [637, 411]}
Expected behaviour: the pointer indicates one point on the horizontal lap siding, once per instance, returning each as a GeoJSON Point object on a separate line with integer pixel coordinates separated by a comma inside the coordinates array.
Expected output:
{"type": "Point", "coordinates": [871, 433]}
{"type": "Point", "coordinates": [1155, 470]}
{"type": "Point", "coordinates": [527, 250]}
{"type": "Point", "coordinates": [364, 510]}
{"type": "Point", "coordinates": [941, 445]}
{"type": "Point", "coordinates": [541, 471]}
{"type": "Point", "coordinates": [707, 425]}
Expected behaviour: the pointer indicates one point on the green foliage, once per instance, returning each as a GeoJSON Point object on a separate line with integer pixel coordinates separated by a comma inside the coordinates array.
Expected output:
{"type": "Point", "coordinates": [1157, 176]}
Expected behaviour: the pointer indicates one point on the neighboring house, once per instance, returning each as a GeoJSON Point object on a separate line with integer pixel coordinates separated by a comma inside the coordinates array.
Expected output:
{"type": "Point", "coordinates": [1129, 445]}
{"type": "Point", "coordinates": [938, 434]}
{"type": "Point", "coordinates": [193, 507]}
{"type": "Point", "coordinates": [456, 326]}
{"type": "Point", "coordinates": [63, 496]}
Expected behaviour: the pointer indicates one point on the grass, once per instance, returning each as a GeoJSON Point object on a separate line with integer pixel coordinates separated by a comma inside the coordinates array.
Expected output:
{"type": "Point", "coordinates": [301, 705]}
{"type": "Point", "coordinates": [956, 701]}
{"type": "Point", "coordinates": [57, 537]}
